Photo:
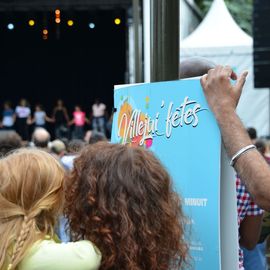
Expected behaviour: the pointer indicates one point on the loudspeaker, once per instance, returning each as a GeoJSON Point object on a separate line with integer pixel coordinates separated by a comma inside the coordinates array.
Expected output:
{"type": "Point", "coordinates": [261, 44]}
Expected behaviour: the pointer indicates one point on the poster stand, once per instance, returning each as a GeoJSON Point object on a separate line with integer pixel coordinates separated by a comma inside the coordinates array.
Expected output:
{"type": "Point", "coordinates": [173, 120]}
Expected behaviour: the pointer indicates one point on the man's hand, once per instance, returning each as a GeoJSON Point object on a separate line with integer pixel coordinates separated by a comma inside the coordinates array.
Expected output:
{"type": "Point", "coordinates": [221, 94]}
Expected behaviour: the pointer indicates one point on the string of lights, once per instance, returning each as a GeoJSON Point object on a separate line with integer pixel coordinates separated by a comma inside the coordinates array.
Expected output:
{"type": "Point", "coordinates": [69, 22]}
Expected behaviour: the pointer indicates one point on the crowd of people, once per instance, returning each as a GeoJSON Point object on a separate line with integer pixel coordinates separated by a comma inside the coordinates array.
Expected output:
{"type": "Point", "coordinates": [24, 121]}
{"type": "Point", "coordinates": [114, 205]}
{"type": "Point", "coordinates": [118, 202]}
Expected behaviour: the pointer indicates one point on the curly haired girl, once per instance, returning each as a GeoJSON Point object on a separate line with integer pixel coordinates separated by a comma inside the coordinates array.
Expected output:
{"type": "Point", "coordinates": [121, 199]}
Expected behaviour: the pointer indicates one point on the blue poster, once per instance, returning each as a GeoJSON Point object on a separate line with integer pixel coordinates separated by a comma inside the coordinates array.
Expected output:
{"type": "Point", "coordinates": [173, 120]}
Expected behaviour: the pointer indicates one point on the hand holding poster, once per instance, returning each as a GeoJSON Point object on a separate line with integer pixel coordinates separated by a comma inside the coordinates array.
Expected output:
{"type": "Point", "coordinates": [173, 120]}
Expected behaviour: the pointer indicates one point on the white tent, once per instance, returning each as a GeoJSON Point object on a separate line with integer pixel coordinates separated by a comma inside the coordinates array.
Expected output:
{"type": "Point", "coordinates": [219, 39]}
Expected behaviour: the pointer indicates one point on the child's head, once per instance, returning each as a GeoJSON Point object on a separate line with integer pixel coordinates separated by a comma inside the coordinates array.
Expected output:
{"type": "Point", "coordinates": [75, 146]}
{"type": "Point", "coordinates": [23, 102]}
{"type": "Point", "coordinates": [121, 198]}
{"type": "Point", "coordinates": [77, 108]}
{"type": "Point", "coordinates": [7, 105]}
{"type": "Point", "coordinates": [60, 103]}
{"type": "Point", "coordinates": [38, 107]}
{"type": "Point", "coordinates": [31, 198]}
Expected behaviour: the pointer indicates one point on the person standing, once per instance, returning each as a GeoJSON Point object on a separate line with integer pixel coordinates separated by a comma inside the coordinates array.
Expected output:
{"type": "Point", "coordinates": [249, 214]}
{"type": "Point", "coordinates": [255, 258]}
{"type": "Point", "coordinates": [61, 119]}
{"type": "Point", "coordinates": [98, 116]}
{"type": "Point", "coordinates": [40, 117]}
{"type": "Point", "coordinates": [79, 121]}
{"type": "Point", "coordinates": [8, 117]}
{"type": "Point", "coordinates": [23, 118]}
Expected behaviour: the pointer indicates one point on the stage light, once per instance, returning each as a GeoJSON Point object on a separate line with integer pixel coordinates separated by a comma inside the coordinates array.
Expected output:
{"type": "Point", "coordinates": [92, 25]}
{"type": "Point", "coordinates": [70, 22]}
{"type": "Point", "coordinates": [31, 22]}
{"type": "Point", "coordinates": [57, 20]}
{"type": "Point", "coordinates": [117, 21]}
{"type": "Point", "coordinates": [45, 34]}
{"type": "Point", "coordinates": [10, 26]}
{"type": "Point", "coordinates": [57, 12]}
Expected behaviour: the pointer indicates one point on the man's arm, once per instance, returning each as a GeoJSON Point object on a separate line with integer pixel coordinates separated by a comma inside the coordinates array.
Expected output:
{"type": "Point", "coordinates": [251, 166]}
{"type": "Point", "coordinates": [223, 98]}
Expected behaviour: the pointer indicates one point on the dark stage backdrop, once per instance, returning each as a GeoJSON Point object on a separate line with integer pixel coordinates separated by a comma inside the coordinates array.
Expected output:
{"type": "Point", "coordinates": [76, 63]}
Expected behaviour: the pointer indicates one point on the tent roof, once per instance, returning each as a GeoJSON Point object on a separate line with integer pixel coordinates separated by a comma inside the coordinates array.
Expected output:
{"type": "Point", "coordinates": [218, 29]}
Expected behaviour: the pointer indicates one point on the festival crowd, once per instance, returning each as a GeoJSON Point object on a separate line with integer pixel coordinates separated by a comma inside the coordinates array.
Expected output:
{"type": "Point", "coordinates": [80, 202]}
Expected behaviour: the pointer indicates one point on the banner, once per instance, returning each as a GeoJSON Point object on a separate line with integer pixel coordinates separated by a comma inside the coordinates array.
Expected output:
{"type": "Point", "coordinates": [173, 120]}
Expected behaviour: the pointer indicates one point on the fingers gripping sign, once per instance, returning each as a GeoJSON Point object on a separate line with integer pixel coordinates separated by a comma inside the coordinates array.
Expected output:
{"type": "Point", "coordinates": [220, 93]}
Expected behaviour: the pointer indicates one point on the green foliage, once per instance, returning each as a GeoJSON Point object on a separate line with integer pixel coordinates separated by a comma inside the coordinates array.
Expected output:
{"type": "Point", "coordinates": [240, 9]}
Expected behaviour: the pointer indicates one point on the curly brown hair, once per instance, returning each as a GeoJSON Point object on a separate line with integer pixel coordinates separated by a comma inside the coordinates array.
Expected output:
{"type": "Point", "coordinates": [121, 199]}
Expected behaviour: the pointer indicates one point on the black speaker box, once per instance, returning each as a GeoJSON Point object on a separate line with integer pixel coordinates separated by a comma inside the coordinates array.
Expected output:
{"type": "Point", "coordinates": [261, 45]}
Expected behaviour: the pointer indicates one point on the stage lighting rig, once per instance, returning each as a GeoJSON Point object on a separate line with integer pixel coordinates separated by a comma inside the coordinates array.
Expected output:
{"type": "Point", "coordinates": [57, 16]}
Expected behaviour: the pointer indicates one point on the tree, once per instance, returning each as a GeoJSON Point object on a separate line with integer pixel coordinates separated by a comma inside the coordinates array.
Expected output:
{"type": "Point", "coordinates": [241, 10]}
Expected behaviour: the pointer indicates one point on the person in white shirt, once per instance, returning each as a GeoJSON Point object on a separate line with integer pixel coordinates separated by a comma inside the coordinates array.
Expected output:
{"type": "Point", "coordinates": [98, 116]}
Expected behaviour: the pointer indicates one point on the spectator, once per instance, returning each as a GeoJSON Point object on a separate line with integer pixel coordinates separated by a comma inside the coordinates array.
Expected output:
{"type": "Point", "coordinates": [58, 148]}
{"type": "Point", "coordinates": [194, 67]}
{"type": "Point", "coordinates": [41, 138]}
{"type": "Point", "coordinates": [249, 214]}
{"type": "Point", "coordinates": [122, 199]}
{"type": "Point", "coordinates": [73, 148]}
{"type": "Point", "coordinates": [255, 258]}
{"type": "Point", "coordinates": [9, 140]}
{"type": "Point", "coordinates": [249, 223]}
{"type": "Point", "coordinates": [93, 136]}
{"type": "Point", "coordinates": [30, 206]}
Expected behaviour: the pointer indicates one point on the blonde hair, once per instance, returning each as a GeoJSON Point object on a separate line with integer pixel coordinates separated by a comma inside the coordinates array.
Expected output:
{"type": "Point", "coordinates": [31, 197]}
